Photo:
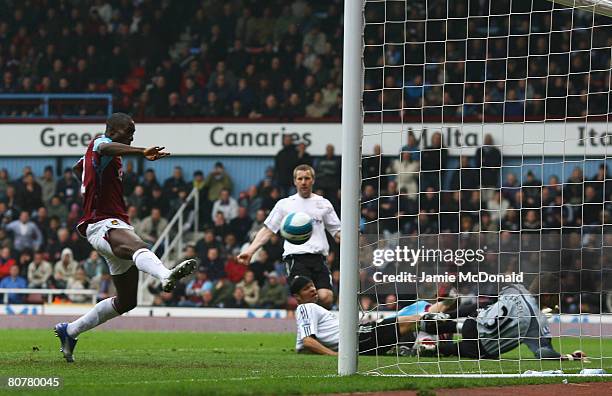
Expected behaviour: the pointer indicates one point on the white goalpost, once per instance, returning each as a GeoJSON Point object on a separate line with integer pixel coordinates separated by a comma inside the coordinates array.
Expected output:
{"type": "Point", "coordinates": [477, 183]}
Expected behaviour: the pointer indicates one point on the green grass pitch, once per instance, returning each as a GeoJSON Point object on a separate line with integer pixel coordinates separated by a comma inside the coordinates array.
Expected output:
{"type": "Point", "coordinates": [154, 363]}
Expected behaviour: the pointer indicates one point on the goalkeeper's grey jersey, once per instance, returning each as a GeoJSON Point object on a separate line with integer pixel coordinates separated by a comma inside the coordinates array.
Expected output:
{"type": "Point", "coordinates": [514, 318]}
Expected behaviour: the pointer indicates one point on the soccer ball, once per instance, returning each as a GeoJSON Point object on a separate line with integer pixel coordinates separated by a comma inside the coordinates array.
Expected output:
{"type": "Point", "coordinates": [296, 228]}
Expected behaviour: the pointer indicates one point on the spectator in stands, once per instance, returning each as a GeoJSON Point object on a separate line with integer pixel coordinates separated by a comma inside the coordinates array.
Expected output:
{"type": "Point", "coordinates": [80, 247]}
{"type": "Point", "coordinates": [58, 244]}
{"type": "Point", "coordinates": [497, 205]}
{"type": "Point", "coordinates": [284, 163]}
{"type": "Point", "coordinates": [466, 178]}
{"type": "Point", "coordinates": [511, 222]}
{"type": "Point", "coordinates": [250, 289]}
{"type": "Point", "coordinates": [11, 202]}
{"type": "Point", "coordinates": [303, 157]}
{"type": "Point", "coordinates": [592, 210]}
{"type": "Point", "coordinates": [222, 292]}
{"type": "Point", "coordinates": [215, 267]}
{"type": "Point", "coordinates": [152, 226]}
{"type": "Point", "coordinates": [29, 193]}
{"type": "Point", "coordinates": [251, 200]}
{"type": "Point", "coordinates": [195, 288]}
{"type": "Point", "coordinates": [198, 181]}
{"type": "Point", "coordinates": [237, 300]}
{"type": "Point", "coordinates": [157, 200]}
{"type": "Point", "coordinates": [293, 107]}
{"type": "Point", "coordinates": [327, 175]}
{"type": "Point", "coordinates": [57, 208]}
{"type": "Point", "coordinates": [220, 226]}
{"type": "Point", "coordinates": [6, 261]}
{"type": "Point", "coordinates": [231, 247]}
{"type": "Point", "coordinates": [218, 180]}
{"type": "Point", "coordinates": [488, 157]}
{"type": "Point", "coordinates": [5, 216]}
{"type": "Point", "coordinates": [273, 294]}
{"type": "Point", "coordinates": [268, 201]}
{"type": "Point", "coordinates": [407, 171]}
{"type": "Point", "coordinates": [213, 107]}
{"type": "Point", "coordinates": [39, 272]}
{"type": "Point", "coordinates": [412, 146]}
{"type": "Point", "coordinates": [532, 191]}
{"type": "Point", "coordinates": [94, 265]}
{"type": "Point", "coordinates": [258, 223]}
{"type": "Point", "coordinates": [227, 205]}
{"type": "Point", "coordinates": [316, 109]}
{"type": "Point", "coordinates": [261, 265]}
{"type": "Point", "coordinates": [14, 281]}
{"type": "Point", "coordinates": [574, 187]}
{"type": "Point", "coordinates": [207, 242]}
{"type": "Point", "coordinates": [64, 269]}
{"type": "Point", "coordinates": [43, 221]}
{"type": "Point", "coordinates": [47, 184]}
{"type": "Point", "coordinates": [434, 161]}
{"type": "Point", "coordinates": [330, 94]}
{"type": "Point", "coordinates": [132, 213]}
{"type": "Point", "coordinates": [149, 182]}
{"type": "Point", "coordinates": [510, 190]}
{"type": "Point", "coordinates": [234, 270]}
{"type": "Point", "coordinates": [26, 234]}
{"type": "Point", "coordinates": [602, 182]}
{"type": "Point", "coordinates": [67, 188]}
{"type": "Point", "coordinates": [104, 285]}
{"type": "Point", "coordinates": [129, 178]}
{"type": "Point", "coordinates": [241, 224]}
{"type": "Point", "coordinates": [139, 200]}
{"type": "Point", "coordinates": [78, 282]}
{"type": "Point", "coordinates": [4, 183]}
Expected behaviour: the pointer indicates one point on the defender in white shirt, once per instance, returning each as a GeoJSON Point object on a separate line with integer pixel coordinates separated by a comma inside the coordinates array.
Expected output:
{"type": "Point", "coordinates": [307, 259]}
{"type": "Point", "coordinates": [318, 330]}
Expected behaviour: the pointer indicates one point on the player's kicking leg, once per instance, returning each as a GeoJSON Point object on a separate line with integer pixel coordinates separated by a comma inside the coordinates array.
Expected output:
{"type": "Point", "coordinates": [127, 245]}
{"type": "Point", "coordinates": [118, 246]}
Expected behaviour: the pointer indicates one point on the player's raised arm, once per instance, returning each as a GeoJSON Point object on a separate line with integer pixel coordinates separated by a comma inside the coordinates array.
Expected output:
{"type": "Point", "coordinates": [113, 149]}
{"type": "Point", "coordinates": [262, 237]}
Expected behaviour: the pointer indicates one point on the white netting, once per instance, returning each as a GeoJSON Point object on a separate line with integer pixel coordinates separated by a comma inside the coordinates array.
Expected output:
{"type": "Point", "coordinates": [487, 130]}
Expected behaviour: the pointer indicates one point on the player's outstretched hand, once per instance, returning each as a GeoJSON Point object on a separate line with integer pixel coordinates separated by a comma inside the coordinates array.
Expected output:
{"type": "Point", "coordinates": [244, 258]}
{"type": "Point", "coordinates": [155, 153]}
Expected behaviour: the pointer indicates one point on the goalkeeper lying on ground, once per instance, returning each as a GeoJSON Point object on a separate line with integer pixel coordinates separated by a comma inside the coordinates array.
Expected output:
{"type": "Point", "coordinates": [515, 318]}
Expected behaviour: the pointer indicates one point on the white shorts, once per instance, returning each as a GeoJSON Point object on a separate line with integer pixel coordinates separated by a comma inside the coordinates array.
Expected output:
{"type": "Point", "coordinates": [96, 235]}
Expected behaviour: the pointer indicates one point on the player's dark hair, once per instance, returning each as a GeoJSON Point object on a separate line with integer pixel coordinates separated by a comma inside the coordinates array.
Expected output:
{"type": "Point", "coordinates": [116, 121]}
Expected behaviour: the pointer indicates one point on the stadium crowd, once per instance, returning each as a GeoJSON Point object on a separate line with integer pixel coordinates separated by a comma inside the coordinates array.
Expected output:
{"type": "Point", "coordinates": [282, 60]}
{"type": "Point", "coordinates": [417, 196]}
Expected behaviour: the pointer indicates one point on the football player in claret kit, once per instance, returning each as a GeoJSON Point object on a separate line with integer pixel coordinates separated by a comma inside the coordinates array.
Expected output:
{"type": "Point", "coordinates": [106, 226]}
{"type": "Point", "coordinates": [307, 259]}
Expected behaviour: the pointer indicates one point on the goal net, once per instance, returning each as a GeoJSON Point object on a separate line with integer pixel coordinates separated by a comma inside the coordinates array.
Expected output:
{"type": "Point", "coordinates": [485, 187]}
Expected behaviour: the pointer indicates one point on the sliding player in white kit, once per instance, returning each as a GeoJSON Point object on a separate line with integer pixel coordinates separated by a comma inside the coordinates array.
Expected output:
{"type": "Point", "coordinates": [307, 259]}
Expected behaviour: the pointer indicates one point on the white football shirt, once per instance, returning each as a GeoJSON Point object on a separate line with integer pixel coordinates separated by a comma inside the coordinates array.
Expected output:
{"type": "Point", "coordinates": [323, 217]}
{"type": "Point", "coordinates": [313, 319]}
